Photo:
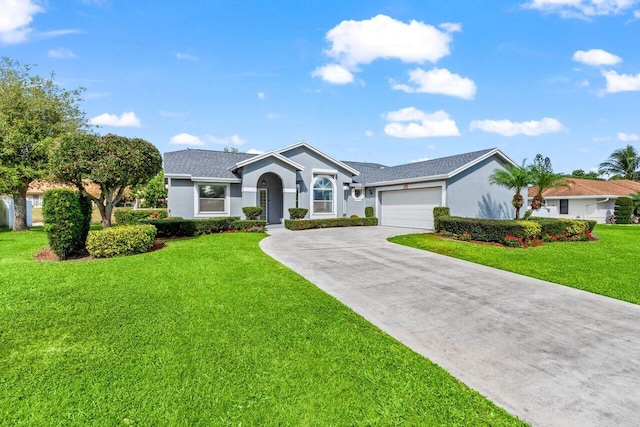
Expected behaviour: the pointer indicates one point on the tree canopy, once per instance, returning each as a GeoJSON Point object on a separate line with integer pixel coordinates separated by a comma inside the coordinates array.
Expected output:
{"type": "Point", "coordinates": [111, 162]}
{"type": "Point", "coordinates": [514, 178]}
{"type": "Point", "coordinates": [153, 194]}
{"type": "Point", "coordinates": [33, 112]}
{"type": "Point", "coordinates": [622, 164]}
{"type": "Point", "coordinates": [543, 178]}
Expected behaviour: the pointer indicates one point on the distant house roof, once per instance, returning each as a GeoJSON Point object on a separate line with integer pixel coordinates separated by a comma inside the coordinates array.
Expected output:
{"type": "Point", "coordinates": [203, 164]}
{"type": "Point", "coordinates": [441, 168]}
{"type": "Point", "coordinates": [591, 188]}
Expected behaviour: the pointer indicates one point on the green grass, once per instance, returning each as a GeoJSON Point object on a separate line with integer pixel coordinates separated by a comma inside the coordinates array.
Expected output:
{"type": "Point", "coordinates": [606, 267]}
{"type": "Point", "coordinates": [207, 331]}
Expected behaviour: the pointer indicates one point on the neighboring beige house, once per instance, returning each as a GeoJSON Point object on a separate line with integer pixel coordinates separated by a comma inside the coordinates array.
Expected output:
{"type": "Point", "coordinates": [584, 198]}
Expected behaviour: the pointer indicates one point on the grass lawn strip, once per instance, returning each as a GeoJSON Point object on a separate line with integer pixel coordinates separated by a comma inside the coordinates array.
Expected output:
{"type": "Point", "coordinates": [207, 331]}
{"type": "Point", "coordinates": [604, 267]}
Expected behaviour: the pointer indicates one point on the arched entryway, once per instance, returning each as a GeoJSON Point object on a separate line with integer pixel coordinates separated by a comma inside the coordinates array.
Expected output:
{"type": "Point", "coordinates": [269, 197]}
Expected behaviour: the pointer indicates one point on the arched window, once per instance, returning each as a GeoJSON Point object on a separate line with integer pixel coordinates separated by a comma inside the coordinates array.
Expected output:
{"type": "Point", "coordinates": [323, 195]}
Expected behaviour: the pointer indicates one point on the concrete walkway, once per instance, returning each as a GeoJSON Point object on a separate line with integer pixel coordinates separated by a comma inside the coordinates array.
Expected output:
{"type": "Point", "coordinates": [549, 354]}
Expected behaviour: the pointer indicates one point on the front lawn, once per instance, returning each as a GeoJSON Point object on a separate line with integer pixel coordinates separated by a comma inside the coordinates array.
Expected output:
{"type": "Point", "coordinates": [207, 331]}
{"type": "Point", "coordinates": [606, 267]}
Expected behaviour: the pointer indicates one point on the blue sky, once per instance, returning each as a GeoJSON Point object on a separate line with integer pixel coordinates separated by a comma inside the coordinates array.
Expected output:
{"type": "Point", "coordinates": [379, 81]}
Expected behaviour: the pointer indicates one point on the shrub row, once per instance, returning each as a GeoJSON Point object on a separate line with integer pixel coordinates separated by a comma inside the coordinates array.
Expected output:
{"type": "Point", "coordinates": [249, 225]}
{"type": "Point", "coordinates": [134, 216]}
{"type": "Point", "coordinates": [117, 241]}
{"type": "Point", "coordinates": [439, 212]}
{"type": "Point", "coordinates": [492, 230]}
{"type": "Point", "coordinates": [306, 224]}
{"type": "Point", "coordinates": [66, 220]}
{"type": "Point", "coordinates": [191, 227]}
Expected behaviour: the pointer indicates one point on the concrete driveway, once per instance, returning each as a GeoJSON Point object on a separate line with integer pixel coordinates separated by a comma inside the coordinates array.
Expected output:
{"type": "Point", "coordinates": [549, 354]}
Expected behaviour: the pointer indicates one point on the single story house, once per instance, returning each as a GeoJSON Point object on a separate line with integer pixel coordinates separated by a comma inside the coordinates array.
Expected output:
{"type": "Point", "coordinates": [205, 183]}
{"type": "Point", "coordinates": [584, 198]}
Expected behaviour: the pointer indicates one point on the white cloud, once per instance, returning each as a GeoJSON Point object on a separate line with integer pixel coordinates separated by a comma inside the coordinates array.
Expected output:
{"type": "Point", "coordinates": [636, 14]}
{"type": "Point", "coordinates": [422, 124]}
{"type": "Point", "coordinates": [333, 73]}
{"type": "Point", "coordinates": [509, 128]}
{"type": "Point", "coordinates": [15, 19]}
{"type": "Point", "coordinates": [439, 81]}
{"type": "Point", "coordinates": [451, 27]}
{"type": "Point", "coordinates": [262, 95]}
{"type": "Point", "coordinates": [368, 133]}
{"type": "Point", "coordinates": [128, 119]}
{"type": "Point", "coordinates": [581, 8]}
{"type": "Point", "coordinates": [628, 137]}
{"type": "Point", "coordinates": [186, 56]}
{"type": "Point", "coordinates": [584, 83]}
{"type": "Point", "coordinates": [596, 57]}
{"type": "Point", "coordinates": [61, 53]}
{"type": "Point", "coordinates": [58, 33]}
{"type": "Point", "coordinates": [621, 82]}
{"type": "Point", "coordinates": [420, 159]}
{"type": "Point", "coordinates": [228, 140]}
{"type": "Point", "coordinates": [185, 139]}
{"type": "Point", "coordinates": [254, 151]}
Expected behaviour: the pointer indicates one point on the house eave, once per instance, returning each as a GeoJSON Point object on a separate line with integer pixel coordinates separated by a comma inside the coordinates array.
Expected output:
{"type": "Point", "coordinates": [265, 156]}
{"type": "Point", "coordinates": [305, 144]}
{"type": "Point", "coordinates": [495, 151]}
{"type": "Point", "coordinates": [408, 181]}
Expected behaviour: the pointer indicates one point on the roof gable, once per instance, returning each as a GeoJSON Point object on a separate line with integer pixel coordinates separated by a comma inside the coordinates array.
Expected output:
{"type": "Point", "coordinates": [263, 156]}
{"type": "Point", "coordinates": [195, 163]}
{"type": "Point", "coordinates": [309, 147]}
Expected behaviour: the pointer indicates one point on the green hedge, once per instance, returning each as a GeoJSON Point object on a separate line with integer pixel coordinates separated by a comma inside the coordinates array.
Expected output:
{"type": "Point", "coordinates": [439, 212]}
{"type": "Point", "coordinates": [118, 241]}
{"type": "Point", "coordinates": [623, 209]}
{"type": "Point", "coordinates": [134, 216]}
{"type": "Point", "coordinates": [191, 227]}
{"type": "Point", "coordinates": [495, 230]}
{"type": "Point", "coordinates": [306, 224]}
{"type": "Point", "coordinates": [64, 221]}
{"type": "Point", "coordinates": [250, 226]}
{"type": "Point", "coordinates": [368, 212]}
{"type": "Point", "coordinates": [560, 226]}
{"type": "Point", "coordinates": [252, 212]}
{"type": "Point", "coordinates": [298, 213]}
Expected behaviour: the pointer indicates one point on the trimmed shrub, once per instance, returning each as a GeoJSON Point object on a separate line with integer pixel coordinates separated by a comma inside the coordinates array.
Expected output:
{"type": "Point", "coordinates": [250, 225]}
{"type": "Point", "coordinates": [134, 216]}
{"type": "Point", "coordinates": [487, 230]}
{"type": "Point", "coordinates": [439, 211]}
{"type": "Point", "coordinates": [171, 227]}
{"type": "Point", "coordinates": [119, 241]}
{"type": "Point", "coordinates": [307, 224]}
{"type": "Point", "coordinates": [252, 212]}
{"type": "Point", "coordinates": [86, 208]}
{"type": "Point", "coordinates": [623, 209]}
{"type": "Point", "coordinates": [560, 226]}
{"type": "Point", "coordinates": [64, 221]}
{"type": "Point", "coordinates": [368, 212]}
{"type": "Point", "coordinates": [298, 213]}
{"type": "Point", "coordinates": [354, 216]}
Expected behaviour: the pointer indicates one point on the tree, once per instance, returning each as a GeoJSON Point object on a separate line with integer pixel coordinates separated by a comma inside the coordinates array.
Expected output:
{"type": "Point", "coordinates": [154, 193]}
{"type": "Point", "coordinates": [580, 173]}
{"type": "Point", "coordinates": [622, 164]}
{"type": "Point", "coordinates": [111, 162]}
{"type": "Point", "coordinates": [543, 178]}
{"type": "Point", "coordinates": [33, 112]}
{"type": "Point", "coordinates": [231, 150]}
{"type": "Point", "coordinates": [514, 178]}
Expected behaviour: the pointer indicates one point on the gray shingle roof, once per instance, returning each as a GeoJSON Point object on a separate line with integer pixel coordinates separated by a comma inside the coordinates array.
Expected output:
{"type": "Point", "coordinates": [424, 169]}
{"type": "Point", "coordinates": [203, 163]}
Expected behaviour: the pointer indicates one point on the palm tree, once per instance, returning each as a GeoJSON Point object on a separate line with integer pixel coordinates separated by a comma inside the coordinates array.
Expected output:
{"type": "Point", "coordinates": [622, 164]}
{"type": "Point", "coordinates": [543, 178]}
{"type": "Point", "coordinates": [514, 178]}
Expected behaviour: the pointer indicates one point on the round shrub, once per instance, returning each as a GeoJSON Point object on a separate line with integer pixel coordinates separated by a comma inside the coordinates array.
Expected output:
{"type": "Point", "coordinates": [368, 212]}
{"type": "Point", "coordinates": [64, 221]}
{"type": "Point", "coordinates": [298, 213]}
{"type": "Point", "coordinates": [117, 241]}
{"type": "Point", "coordinates": [252, 212]}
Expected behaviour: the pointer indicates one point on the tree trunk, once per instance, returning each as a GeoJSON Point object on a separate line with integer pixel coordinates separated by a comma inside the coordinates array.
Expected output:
{"type": "Point", "coordinates": [106, 219]}
{"type": "Point", "coordinates": [20, 209]}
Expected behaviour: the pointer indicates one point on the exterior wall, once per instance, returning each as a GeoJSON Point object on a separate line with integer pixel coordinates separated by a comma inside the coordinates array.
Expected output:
{"type": "Point", "coordinates": [355, 207]}
{"type": "Point", "coordinates": [7, 214]}
{"type": "Point", "coordinates": [469, 194]}
{"type": "Point", "coordinates": [582, 208]}
{"type": "Point", "coordinates": [311, 161]}
{"type": "Point", "coordinates": [180, 198]}
{"type": "Point", "coordinates": [280, 180]}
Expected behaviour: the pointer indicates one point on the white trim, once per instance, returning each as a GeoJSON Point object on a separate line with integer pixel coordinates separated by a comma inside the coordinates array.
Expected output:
{"type": "Point", "coordinates": [266, 199]}
{"type": "Point", "coordinates": [249, 189]}
{"type": "Point", "coordinates": [408, 181]}
{"type": "Point", "coordinates": [320, 153]}
{"type": "Point", "coordinates": [213, 179]}
{"type": "Point", "coordinates": [196, 201]}
{"type": "Point", "coordinates": [353, 193]}
{"type": "Point", "coordinates": [289, 190]}
{"type": "Point", "coordinates": [266, 155]}
{"type": "Point", "coordinates": [411, 186]}
{"type": "Point", "coordinates": [177, 175]}
{"type": "Point", "coordinates": [324, 172]}
{"type": "Point", "coordinates": [331, 214]}
{"type": "Point", "coordinates": [598, 196]}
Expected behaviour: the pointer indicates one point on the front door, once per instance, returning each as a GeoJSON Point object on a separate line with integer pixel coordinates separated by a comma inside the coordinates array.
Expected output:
{"type": "Point", "coordinates": [263, 202]}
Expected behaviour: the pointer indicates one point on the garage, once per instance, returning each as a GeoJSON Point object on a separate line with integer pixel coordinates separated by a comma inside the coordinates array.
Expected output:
{"type": "Point", "coordinates": [409, 208]}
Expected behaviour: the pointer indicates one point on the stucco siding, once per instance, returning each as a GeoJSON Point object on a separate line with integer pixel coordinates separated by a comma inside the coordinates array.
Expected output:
{"type": "Point", "coordinates": [469, 193]}
{"type": "Point", "coordinates": [180, 196]}
{"type": "Point", "coordinates": [592, 208]}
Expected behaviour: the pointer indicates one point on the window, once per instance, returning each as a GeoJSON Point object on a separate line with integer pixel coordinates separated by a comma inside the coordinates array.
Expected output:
{"type": "Point", "coordinates": [212, 198]}
{"type": "Point", "coordinates": [357, 194]}
{"type": "Point", "coordinates": [323, 195]}
{"type": "Point", "coordinates": [564, 206]}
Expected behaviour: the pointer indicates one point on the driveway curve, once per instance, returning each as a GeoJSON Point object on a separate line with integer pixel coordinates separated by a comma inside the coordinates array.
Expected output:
{"type": "Point", "coordinates": [549, 354]}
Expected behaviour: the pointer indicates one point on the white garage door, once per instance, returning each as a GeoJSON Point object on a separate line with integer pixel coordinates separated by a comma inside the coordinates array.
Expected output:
{"type": "Point", "coordinates": [409, 208]}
